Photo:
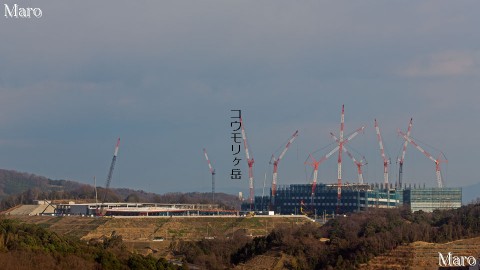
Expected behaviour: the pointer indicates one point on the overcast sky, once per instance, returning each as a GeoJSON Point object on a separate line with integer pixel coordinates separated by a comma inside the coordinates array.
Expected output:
{"type": "Point", "coordinates": [164, 75]}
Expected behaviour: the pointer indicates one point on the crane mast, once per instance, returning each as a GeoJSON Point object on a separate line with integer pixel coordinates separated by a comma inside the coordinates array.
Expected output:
{"type": "Point", "coordinates": [110, 172]}
{"type": "Point", "coordinates": [382, 152]}
{"type": "Point", "coordinates": [360, 163]}
{"type": "Point", "coordinates": [428, 155]}
{"type": "Point", "coordinates": [402, 158]}
{"type": "Point", "coordinates": [212, 171]}
{"type": "Point", "coordinates": [340, 150]}
{"type": "Point", "coordinates": [359, 167]}
{"type": "Point", "coordinates": [341, 142]}
{"type": "Point", "coordinates": [315, 165]}
{"type": "Point", "coordinates": [250, 162]}
{"type": "Point", "coordinates": [276, 161]}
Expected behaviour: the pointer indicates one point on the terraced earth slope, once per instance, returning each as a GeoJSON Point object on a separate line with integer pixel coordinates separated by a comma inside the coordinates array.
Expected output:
{"type": "Point", "coordinates": [74, 226]}
{"type": "Point", "coordinates": [154, 234]}
{"type": "Point", "coordinates": [423, 255]}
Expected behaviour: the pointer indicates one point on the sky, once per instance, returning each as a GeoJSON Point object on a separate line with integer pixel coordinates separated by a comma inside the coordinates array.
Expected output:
{"type": "Point", "coordinates": [164, 76]}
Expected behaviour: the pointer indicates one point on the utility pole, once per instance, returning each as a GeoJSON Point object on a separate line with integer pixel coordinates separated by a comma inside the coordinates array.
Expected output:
{"type": "Point", "coordinates": [95, 185]}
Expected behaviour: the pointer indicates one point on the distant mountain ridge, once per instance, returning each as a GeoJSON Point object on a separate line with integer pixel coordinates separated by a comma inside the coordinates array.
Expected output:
{"type": "Point", "coordinates": [13, 182]}
{"type": "Point", "coordinates": [470, 193]}
{"type": "Point", "coordinates": [21, 187]}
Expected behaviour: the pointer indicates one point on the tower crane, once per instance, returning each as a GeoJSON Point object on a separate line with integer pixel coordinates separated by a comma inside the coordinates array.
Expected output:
{"type": "Point", "coordinates": [250, 162]}
{"type": "Point", "coordinates": [382, 152]}
{"type": "Point", "coordinates": [428, 155]}
{"type": "Point", "coordinates": [339, 161]}
{"type": "Point", "coordinates": [359, 164]}
{"type": "Point", "coordinates": [402, 157]}
{"type": "Point", "coordinates": [315, 164]}
{"type": "Point", "coordinates": [276, 161]}
{"type": "Point", "coordinates": [110, 174]}
{"type": "Point", "coordinates": [212, 171]}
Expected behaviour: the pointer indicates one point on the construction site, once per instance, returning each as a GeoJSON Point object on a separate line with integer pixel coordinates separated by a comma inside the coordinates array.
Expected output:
{"type": "Point", "coordinates": [312, 199]}
{"type": "Point", "coordinates": [343, 197]}
{"type": "Point", "coordinates": [154, 228]}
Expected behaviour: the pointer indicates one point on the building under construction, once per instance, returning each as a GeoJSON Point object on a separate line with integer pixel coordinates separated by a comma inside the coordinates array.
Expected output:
{"type": "Point", "coordinates": [343, 197]}
{"type": "Point", "coordinates": [298, 199]}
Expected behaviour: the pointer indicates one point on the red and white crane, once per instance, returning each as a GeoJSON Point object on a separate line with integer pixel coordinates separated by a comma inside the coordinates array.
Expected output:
{"type": "Point", "coordinates": [250, 162]}
{"type": "Point", "coordinates": [382, 152]}
{"type": "Point", "coordinates": [402, 157]}
{"type": "Point", "coordinates": [315, 164]}
{"type": "Point", "coordinates": [428, 155]}
{"type": "Point", "coordinates": [360, 163]}
{"type": "Point", "coordinates": [276, 161]}
{"type": "Point", "coordinates": [340, 150]}
{"type": "Point", "coordinates": [212, 171]}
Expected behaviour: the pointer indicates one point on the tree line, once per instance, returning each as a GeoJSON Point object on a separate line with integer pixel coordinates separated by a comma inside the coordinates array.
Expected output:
{"type": "Point", "coordinates": [29, 246]}
{"type": "Point", "coordinates": [347, 241]}
{"type": "Point", "coordinates": [87, 193]}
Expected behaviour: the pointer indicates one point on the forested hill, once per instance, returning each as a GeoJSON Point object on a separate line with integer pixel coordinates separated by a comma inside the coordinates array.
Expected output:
{"type": "Point", "coordinates": [13, 182]}
{"type": "Point", "coordinates": [355, 240]}
{"type": "Point", "coordinates": [22, 188]}
{"type": "Point", "coordinates": [342, 243]}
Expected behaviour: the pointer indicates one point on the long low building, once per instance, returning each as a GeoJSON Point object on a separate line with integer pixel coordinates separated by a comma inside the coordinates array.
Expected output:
{"type": "Point", "coordinates": [140, 209]}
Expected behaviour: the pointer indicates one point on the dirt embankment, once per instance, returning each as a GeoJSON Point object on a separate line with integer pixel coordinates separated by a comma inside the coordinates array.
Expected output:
{"type": "Point", "coordinates": [423, 255]}
{"type": "Point", "coordinates": [154, 235]}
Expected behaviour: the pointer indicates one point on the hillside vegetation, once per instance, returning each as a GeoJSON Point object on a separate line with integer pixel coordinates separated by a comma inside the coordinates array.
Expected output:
{"type": "Point", "coordinates": [29, 246]}
{"type": "Point", "coordinates": [342, 243]}
{"type": "Point", "coordinates": [13, 182]}
{"type": "Point", "coordinates": [355, 240]}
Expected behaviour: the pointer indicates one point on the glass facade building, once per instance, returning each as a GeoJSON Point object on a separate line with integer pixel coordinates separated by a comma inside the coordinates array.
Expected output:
{"type": "Point", "coordinates": [429, 199]}
{"type": "Point", "coordinates": [298, 199]}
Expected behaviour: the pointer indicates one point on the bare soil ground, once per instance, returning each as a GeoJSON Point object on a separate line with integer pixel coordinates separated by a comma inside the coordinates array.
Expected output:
{"type": "Point", "coordinates": [423, 255]}
{"type": "Point", "coordinates": [139, 233]}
